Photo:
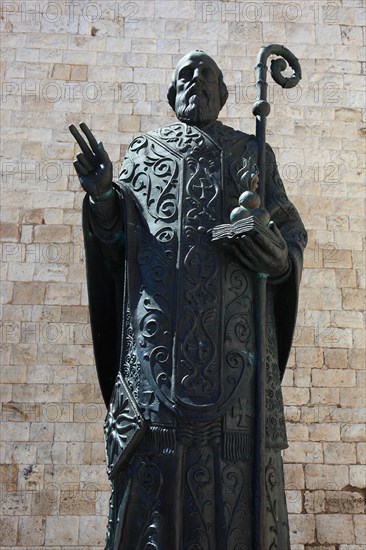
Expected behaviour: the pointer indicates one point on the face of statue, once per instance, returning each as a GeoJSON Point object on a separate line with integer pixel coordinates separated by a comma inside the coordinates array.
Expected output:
{"type": "Point", "coordinates": [197, 85]}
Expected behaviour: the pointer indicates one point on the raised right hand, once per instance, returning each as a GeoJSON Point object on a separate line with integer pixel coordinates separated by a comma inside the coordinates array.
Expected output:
{"type": "Point", "coordinates": [93, 165]}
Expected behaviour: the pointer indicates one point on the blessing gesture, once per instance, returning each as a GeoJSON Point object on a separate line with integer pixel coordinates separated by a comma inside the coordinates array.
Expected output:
{"type": "Point", "coordinates": [93, 165]}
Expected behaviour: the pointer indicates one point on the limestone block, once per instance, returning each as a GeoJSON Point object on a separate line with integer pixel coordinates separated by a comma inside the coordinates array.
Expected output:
{"type": "Point", "coordinates": [328, 34]}
{"type": "Point", "coordinates": [31, 530]}
{"type": "Point", "coordinates": [54, 199]}
{"type": "Point", "coordinates": [9, 232]}
{"type": "Point", "coordinates": [48, 354]}
{"type": "Point", "coordinates": [324, 431]}
{"type": "Point", "coordinates": [15, 504]}
{"type": "Point", "coordinates": [302, 528]}
{"type": "Point", "coordinates": [358, 259]}
{"type": "Point", "coordinates": [306, 357]}
{"type": "Point", "coordinates": [54, 453]}
{"type": "Point", "coordinates": [9, 531]}
{"type": "Point", "coordinates": [20, 271]}
{"type": "Point", "coordinates": [344, 502]}
{"type": "Point", "coordinates": [13, 374]}
{"type": "Point", "coordinates": [353, 299]}
{"type": "Point", "coordinates": [62, 530]}
{"type": "Point", "coordinates": [324, 476]}
{"type": "Point", "coordinates": [314, 502]}
{"type": "Point", "coordinates": [94, 477]}
{"type": "Point", "coordinates": [46, 502]}
{"type": "Point", "coordinates": [78, 452]}
{"type": "Point", "coordinates": [356, 358]}
{"type": "Point", "coordinates": [77, 503]}
{"type": "Point", "coordinates": [295, 396]}
{"type": "Point", "coordinates": [349, 415]}
{"type": "Point", "coordinates": [27, 54]}
{"type": "Point", "coordinates": [79, 393]}
{"type": "Point", "coordinates": [93, 431]}
{"type": "Point", "coordinates": [62, 294]}
{"type": "Point", "coordinates": [360, 528]}
{"type": "Point", "coordinates": [294, 502]}
{"type": "Point", "coordinates": [53, 216]}
{"type": "Point", "coordinates": [78, 354]}
{"type": "Point", "coordinates": [339, 453]}
{"type": "Point", "coordinates": [101, 502]}
{"type": "Point", "coordinates": [361, 452]}
{"type": "Point", "coordinates": [331, 298]}
{"type": "Point", "coordinates": [16, 313]}
{"type": "Point", "coordinates": [352, 397]}
{"type": "Point", "coordinates": [24, 393]}
{"type": "Point", "coordinates": [69, 432]}
{"type": "Point", "coordinates": [5, 393]}
{"type": "Point", "coordinates": [324, 396]}
{"type": "Point", "coordinates": [22, 432]}
{"type": "Point", "coordinates": [333, 378]}
{"type": "Point", "coordinates": [41, 431]}
{"type": "Point", "coordinates": [357, 476]}
{"type": "Point", "coordinates": [334, 528]}
{"type": "Point", "coordinates": [297, 432]}
{"type": "Point", "coordinates": [336, 358]}
{"type": "Point", "coordinates": [353, 432]}
{"type": "Point", "coordinates": [304, 452]}
{"type": "Point", "coordinates": [28, 293]}
{"type": "Point", "coordinates": [348, 240]}
{"type": "Point", "coordinates": [9, 477]}
{"type": "Point", "coordinates": [325, 278]}
{"type": "Point", "coordinates": [297, 377]}
{"type": "Point", "coordinates": [48, 393]}
{"type": "Point", "coordinates": [79, 72]}
{"type": "Point", "coordinates": [98, 453]}
{"type": "Point", "coordinates": [92, 530]}
{"type": "Point", "coordinates": [23, 354]}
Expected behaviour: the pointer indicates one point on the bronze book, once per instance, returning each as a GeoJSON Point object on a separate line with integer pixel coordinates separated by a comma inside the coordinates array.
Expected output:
{"type": "Point", "coordinates": [247, 226]}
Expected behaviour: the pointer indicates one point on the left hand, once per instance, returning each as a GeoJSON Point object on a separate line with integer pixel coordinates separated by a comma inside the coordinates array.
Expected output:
{"type": "Point", "coordinates": [259, 254]}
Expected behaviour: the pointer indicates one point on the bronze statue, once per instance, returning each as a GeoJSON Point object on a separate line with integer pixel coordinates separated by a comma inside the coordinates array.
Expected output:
{"type": "Point", "coordinates": [174, 322]}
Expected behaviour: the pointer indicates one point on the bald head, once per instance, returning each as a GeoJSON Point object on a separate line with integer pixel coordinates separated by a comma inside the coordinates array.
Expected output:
{"type": "Point", "coordinates": [197, 91]}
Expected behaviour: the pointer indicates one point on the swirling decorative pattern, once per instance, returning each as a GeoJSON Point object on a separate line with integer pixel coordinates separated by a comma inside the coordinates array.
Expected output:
{"type": "Point", "coordinates": [197, 377]}
{"type": "Point", "coordinates": [184, 137]}
{"type": "Point", "coordinates": [187, 287]}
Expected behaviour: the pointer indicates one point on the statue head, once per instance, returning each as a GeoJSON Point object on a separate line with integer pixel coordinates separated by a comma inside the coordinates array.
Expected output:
{"type": "Point", "coordinates": [197, 91]}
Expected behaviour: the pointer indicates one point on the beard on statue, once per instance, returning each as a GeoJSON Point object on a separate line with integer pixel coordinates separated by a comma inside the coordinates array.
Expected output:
{"type": "Point", "coordinates": [196, 106]}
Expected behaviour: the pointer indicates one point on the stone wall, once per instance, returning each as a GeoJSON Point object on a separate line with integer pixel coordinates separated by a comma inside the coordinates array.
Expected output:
{"type": "Point", "coordinates": [108, 63]}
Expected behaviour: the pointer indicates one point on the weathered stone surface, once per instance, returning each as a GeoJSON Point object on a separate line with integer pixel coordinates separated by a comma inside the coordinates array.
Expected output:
{"type": "Point", "coordinates": [62, 530]}
{"type": "Point", "coordinates": [334, 528]}
{"type": "Point", "coordinates": [314, 502]}
{"type": "Point", "coordinates": [9, 530]}
{"type": "Point", "coordinates": [324, 476]}
{"type": "Point", "coordinates": [302, 528]}
{"type": "Point", "coordinates": [344, 502]}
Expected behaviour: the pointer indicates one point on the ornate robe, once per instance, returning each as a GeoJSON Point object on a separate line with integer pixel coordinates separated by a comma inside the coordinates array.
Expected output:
{"type": "Point", "coordinates": [173, 319]}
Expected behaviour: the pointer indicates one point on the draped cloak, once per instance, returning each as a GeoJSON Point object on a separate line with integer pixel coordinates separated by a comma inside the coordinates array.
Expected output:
{"type": "Point", "coordinates": [173, 317]}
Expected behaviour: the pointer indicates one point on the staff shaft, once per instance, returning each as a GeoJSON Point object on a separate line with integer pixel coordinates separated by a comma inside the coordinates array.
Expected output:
{"type": "Point", "coordinates": [261, 110]}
